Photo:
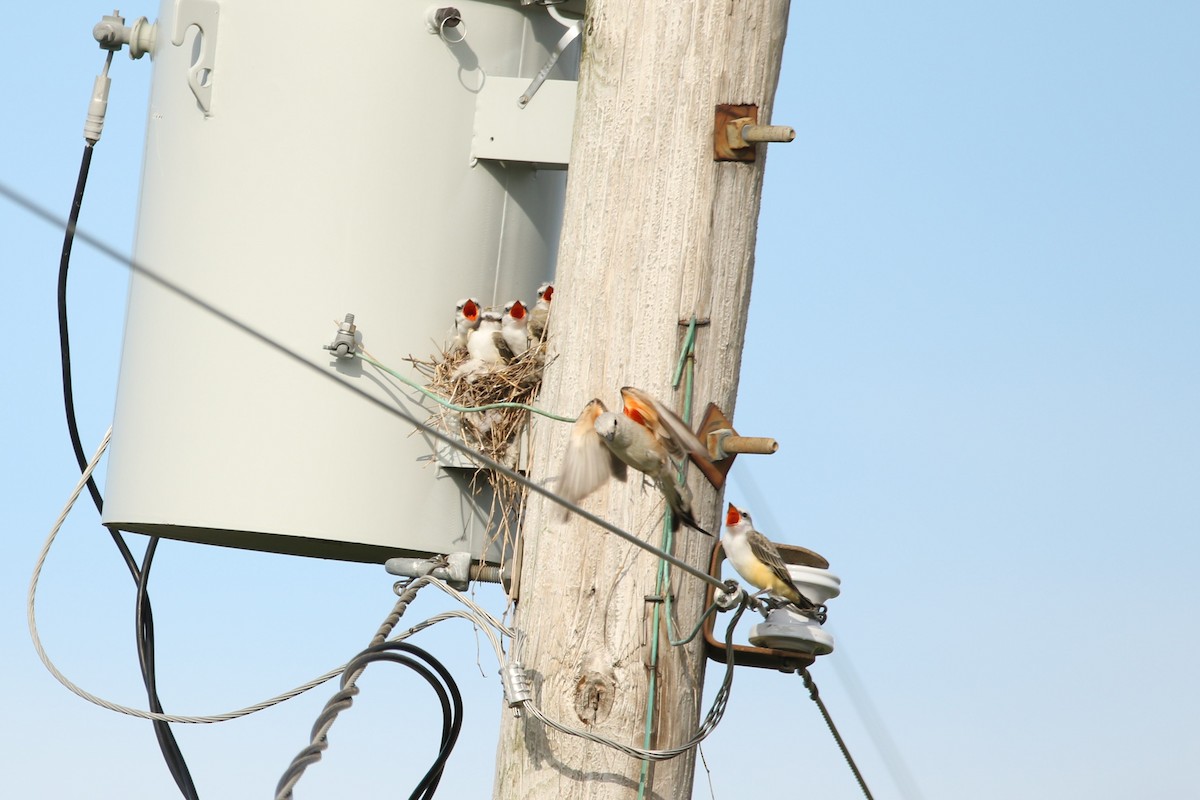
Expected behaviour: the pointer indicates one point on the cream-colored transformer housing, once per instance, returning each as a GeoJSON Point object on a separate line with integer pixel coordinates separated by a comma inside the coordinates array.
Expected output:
{"type": "Point", "coordinates": [304, 160]}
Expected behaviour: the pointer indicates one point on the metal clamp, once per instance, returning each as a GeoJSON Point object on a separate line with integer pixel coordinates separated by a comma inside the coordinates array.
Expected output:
{"type": "Point", "coordinates": [731, 597]}
{"type": "Point", "coordinates": [517, 690]}
{"type": "Point", "coordinates": [574, 29]}
{"type": "Point", "coordinates": [344, 343]}
{"type": "Point", "coordinates": [456, 569]}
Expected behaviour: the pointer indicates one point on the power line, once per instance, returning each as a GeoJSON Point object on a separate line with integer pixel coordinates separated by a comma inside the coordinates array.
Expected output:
{"type": "Point", "coordinates": [811, 685]}
{"type": "Point", "coordinates": [719, 705]}
{"type": "Point", "coordinates": [483, 460]}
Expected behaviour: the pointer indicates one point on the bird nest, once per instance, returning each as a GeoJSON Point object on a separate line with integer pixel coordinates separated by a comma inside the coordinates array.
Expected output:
{"type": "Point", "coordinates": [492, 431]}
{"type": "Point", "coordinates": [502, 433]}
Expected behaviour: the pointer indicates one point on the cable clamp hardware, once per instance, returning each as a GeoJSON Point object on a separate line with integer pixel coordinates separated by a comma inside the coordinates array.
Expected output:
{"type": "Point", "coordinates": [343, 344]}
{"type": "Point", "coordinates": [111, 33]}
{"type": "Point", "coordinates": [731, 597]}
{"type": "Point", "coordinates": [517, 690]}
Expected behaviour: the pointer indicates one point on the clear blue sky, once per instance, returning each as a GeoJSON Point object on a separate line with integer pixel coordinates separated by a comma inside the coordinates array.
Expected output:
{"type": "Point", "coordinates": [980, 257]}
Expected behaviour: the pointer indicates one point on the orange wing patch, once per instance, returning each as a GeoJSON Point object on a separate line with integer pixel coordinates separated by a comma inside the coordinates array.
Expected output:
{"type": "Point", "coordinates": [641, 413]}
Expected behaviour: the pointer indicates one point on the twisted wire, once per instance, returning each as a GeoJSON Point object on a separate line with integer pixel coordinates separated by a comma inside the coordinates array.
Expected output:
{"type": "Point", "coordinates": [448, 695]}
{"type": "Point", "coordinates": [344, 698]}
{"type": "Point", "coordinates": [811, 685]}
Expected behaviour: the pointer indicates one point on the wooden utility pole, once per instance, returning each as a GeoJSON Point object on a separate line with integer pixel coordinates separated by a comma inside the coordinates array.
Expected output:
{"type": "Point", "coordinates": [655, 232]}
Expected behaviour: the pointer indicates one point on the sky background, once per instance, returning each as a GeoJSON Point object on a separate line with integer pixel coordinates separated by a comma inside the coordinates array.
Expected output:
{"type": "Point", "coordinates": [979, 260]}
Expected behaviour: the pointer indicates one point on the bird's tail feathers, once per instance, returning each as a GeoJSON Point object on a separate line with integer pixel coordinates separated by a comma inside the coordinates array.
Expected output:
{"type": "Point", "coordinates": [801, 602]}
{"type": "Point", "coordinates": [679, 498]}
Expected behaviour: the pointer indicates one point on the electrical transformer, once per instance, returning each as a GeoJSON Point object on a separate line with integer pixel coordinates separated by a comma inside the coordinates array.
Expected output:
{"type": "Point", "coordinates": [304, 161]}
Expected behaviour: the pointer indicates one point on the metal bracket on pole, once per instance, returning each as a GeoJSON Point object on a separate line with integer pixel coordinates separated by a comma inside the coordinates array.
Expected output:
{"type": "Point", "coordinates": [723, 442]}
{"type": "Point", "coordinates": [736, 131]}
{"type": "Point", "coordinates": [456, 569]}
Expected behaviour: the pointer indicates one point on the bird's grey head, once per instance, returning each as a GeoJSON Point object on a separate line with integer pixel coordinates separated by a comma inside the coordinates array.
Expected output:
{"type": "Point", "coordinates": [607, 424]}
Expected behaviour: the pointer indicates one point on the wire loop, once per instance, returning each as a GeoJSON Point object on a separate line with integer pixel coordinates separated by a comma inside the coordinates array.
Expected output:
{"type": "Point", "coordinates": [460, 25]}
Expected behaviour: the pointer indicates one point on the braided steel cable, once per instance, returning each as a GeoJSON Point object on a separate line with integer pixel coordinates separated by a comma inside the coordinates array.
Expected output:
{"type": "Point", "coordinates": [448, 695]}
{"type": "Point", "coordinates": [811, 685]}
{"type": "Point", "coordinates": [711, 720]}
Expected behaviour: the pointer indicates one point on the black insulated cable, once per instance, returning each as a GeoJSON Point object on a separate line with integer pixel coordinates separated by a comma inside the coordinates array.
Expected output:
{"type": "Point", "coordinates": [144, 630]}
{"type": "Point", "coordinates": [64, 342]}
{"type": "Point", "coordinates": [410, 656]}
{"type": "Point", "coordinates": [144, 617]}
{"type": "Point", "coordinates": [433, 777]}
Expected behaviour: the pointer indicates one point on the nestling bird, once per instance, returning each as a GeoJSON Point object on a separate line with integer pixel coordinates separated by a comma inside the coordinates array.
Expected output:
{"type": "Point", "coordinates": [466, 319]}
{"type": "Point", "coordinates": [486, 346]}
{"type": "Point", "coordinates": [757, 559]}
{"type": "Point", "coordinates": [487, 342]}
{"type": "Point", "coordinates": [645, 436]}
{"type": "Point", "coordinates": [516, 327]}
{"type": "Point", "coordinates": [539, 315]}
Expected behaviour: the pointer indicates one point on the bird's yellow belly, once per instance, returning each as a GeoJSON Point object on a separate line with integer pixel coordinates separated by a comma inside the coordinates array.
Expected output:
{"type": "Point", "coordinates": [754, 571]}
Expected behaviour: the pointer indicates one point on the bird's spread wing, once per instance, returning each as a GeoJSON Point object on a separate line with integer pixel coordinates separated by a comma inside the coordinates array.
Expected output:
{"type": "Point", "coordinates": [663, 423]}
{"type": "Point", "coordinates": [587, 463]}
